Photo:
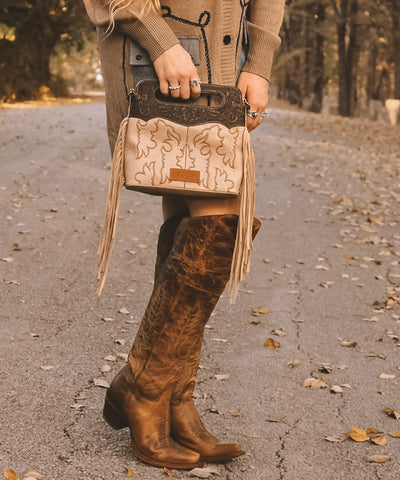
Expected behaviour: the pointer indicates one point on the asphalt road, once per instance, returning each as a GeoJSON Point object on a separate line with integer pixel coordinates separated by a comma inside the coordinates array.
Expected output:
{"type": "Point", "coordinates": [326, 265]}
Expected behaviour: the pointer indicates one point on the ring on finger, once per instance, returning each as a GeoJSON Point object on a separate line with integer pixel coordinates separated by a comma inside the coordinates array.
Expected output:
{"type": "Point", "coordinates": [174, 87]}
{"type": "Point", "coordinates": [252, 114]}
{"type": "Point", "coordinates": [195, 82]}
{"type": "Point", "coordinates": [263, 114]}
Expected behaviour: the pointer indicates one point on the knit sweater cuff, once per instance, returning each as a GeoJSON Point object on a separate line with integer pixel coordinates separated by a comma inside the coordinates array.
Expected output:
{"type": "Point", "coordinates": [151, 32]}
{"type": "Point", "coordinates": [262, 45]}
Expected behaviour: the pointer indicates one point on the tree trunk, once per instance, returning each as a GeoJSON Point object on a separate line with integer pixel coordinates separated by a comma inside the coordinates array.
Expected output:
{"type": "Point", "coordinates": [396, 45]}
{"type": "Point", "coordinates": [347, 51]}
{"type": "Point", "coordinates": [319, 72]}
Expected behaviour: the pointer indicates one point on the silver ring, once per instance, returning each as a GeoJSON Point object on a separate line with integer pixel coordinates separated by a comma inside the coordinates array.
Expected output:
{"type": "Point", "coordinates": [263, 114]}
{"type": "Point", "coordinates": [195, 82]}
{"type": "Point", "coordinates": [252, 114]}
{"type": "Point", "coordinates": [176, 87]}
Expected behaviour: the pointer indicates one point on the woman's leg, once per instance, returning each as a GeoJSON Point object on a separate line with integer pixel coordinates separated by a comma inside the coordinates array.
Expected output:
{"type": "Point", "coordinates": [186, 425]}
{"type": "Point", "coordinates": [167, 346]}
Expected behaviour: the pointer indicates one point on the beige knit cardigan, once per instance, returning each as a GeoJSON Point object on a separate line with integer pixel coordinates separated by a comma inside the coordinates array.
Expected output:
{"type": "Point", "coordinates": [220, 25]}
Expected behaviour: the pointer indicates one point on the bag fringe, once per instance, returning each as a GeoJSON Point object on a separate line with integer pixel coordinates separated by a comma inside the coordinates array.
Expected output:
{"type": "Point", "coordinates": [112, 207]}
{"type": "Point", "coordinates": [244, 241]}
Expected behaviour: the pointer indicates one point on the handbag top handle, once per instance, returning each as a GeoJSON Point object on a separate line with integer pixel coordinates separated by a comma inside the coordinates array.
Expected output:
{"type": "Point", "coordinates": [147, 102]}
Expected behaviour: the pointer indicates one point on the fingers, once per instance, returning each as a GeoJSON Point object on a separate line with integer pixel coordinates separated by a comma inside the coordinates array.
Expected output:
{"type": "Point", "coordinates": [177, 74]}
{"type": "Point", "coordinates": [183, 88]}
{"type": "Point", "coordinates": [255, 90]}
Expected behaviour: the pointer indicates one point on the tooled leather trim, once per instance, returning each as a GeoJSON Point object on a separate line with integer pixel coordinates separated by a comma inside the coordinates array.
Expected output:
{"type": "Point", "coordinates": [145, 105]}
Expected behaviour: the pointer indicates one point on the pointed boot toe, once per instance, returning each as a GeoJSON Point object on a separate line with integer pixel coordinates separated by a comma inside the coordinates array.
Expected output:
{"type": "Point", "coordinates": [188, 430]}
{"type": "Point", "coordinates": [149, 423]}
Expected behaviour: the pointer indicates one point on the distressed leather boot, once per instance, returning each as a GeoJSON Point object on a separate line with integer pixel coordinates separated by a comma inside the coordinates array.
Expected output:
{"type": "Point", "coordinates": [166, 239]}
{"type": "Point", "coordinates": [167, 349]}
{"type": "Point", "coordinates": [149, 422]}
{"type": "Point", "coordinates": [186, 425]}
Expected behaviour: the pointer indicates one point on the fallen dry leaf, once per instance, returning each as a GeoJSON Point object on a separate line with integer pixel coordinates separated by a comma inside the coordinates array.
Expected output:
{"type": "Point", "coordinates": [392, 413]}
{"type": "Point", "coordinates": [129, 472]}
{"type": "Point", "coordinates": [348, 344]}
{"type": "Point", "coordinates": [358, 435]}
{"type": "Point", "coordinates": [271, 343]}
{"type": "Point", "coordinates": [314, 383]}
{"type": "Point", "coordinates": [33, 474]}
{"type": "Point", "coordinates": [167, 472]}
{"type": "Point", "coordinates": [293, 363]}
{"type": "Point", "coordinates": [100, 382]}
{"type": "Point", "coordinates": [395, 434]}
{"type": "Point", "coordinates": [47, 367]}
{"type": "Point", "coordinates": [221, 377]}
{"type": "Point", "coordinates": [205, 472]}
{"type": "Point", "coordinates": [124, 311]}
{"type": "Point", "coordinates": [10, 474]}
{"type": "Point", "coordinates": [321, 267]}
{"type": "Point", "coordinates": [336, 389]}
{"type": "Point", "coordinates": [380, 440]}
{"type": "Point", "coordinates": [379, 458]}
{"type": "Point", "coordinates": [259, 311]}
{"type": "Point", "coordinates": [387, 376]}
{"type": "Point", "coordinates": [373, 431]}
{"type": "Point", "coordinates": [279, 332]}
{"type": "Point", "coordinates": [110, 358]}
{"type": "Point", "coordinates": [335, 438]}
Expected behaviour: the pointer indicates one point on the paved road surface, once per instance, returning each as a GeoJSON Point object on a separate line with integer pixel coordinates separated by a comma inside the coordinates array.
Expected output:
{"type": "Point", "coordinates": [326, 265]}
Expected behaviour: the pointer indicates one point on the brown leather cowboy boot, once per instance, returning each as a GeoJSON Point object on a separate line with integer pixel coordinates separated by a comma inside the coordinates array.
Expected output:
{"type": "Point", "coordinates": [166, 239]}
{"type": "Point", "coordinates": [168, 344]}
{"type": "Point", "coordinates": [186, 425]}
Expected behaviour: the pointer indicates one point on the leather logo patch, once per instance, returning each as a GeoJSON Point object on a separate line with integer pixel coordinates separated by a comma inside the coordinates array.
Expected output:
{"type": "Point", "coordinates": [183, 175]}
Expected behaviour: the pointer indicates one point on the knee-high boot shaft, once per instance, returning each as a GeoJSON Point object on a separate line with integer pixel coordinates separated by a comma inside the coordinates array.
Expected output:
{"type": "Point", "coordinates": [154, 387]}
{"type": "Point", "coordinates": [185, 292]}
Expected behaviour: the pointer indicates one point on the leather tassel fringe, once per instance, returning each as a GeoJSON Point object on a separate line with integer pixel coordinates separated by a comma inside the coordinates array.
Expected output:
{"type": "Point", "coordinates": [112, 208]}
{"type": "Point", "coordinates": [244, 241]}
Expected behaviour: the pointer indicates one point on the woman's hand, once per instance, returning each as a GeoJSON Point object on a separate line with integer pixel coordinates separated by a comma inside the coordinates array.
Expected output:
{"type": "Point", "coordinates": [175, 68]}
{"type": "Point", "coordinates": [255, 90]}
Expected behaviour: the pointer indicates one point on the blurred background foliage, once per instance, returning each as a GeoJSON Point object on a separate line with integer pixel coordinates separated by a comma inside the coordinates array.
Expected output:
{"type": "Point", "coordinates": [342, 56]}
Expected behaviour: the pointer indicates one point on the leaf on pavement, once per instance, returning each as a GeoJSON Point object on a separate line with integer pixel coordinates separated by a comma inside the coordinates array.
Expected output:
{"type": "Point", "coordinates": [314, 383]}
{"type": "Point", "coordinates": [348, 344]}
{"type": "Point", "coordinates": [207, 472]}
{"type": "Point", "coordinates": [33, 474]}
{"type": "Point", "coordinates": [10, 474]}
{"type": "Point", "coordinates": [336, 389]}
{"type": "Point", "coordinates": [259, 311]}
{"type": "Point", "coordinates": [358, 435]}
{"type": "Point", "coordinates": [379, 440]}
{"type": "Point", "coordinates": [392, 413]}
{"type": "Point", "coordinates": [335, 438]}
{"type": "Point", "coordinates": [100, 382]}
{"type": "Point", "coordinates": [379, 458]}
{"type": "Point", "coordinates": [271, 343]}
{"type": "Point", "coordinates": [387, 376]}
{"type": "Point", "coordinates": [167, 472]}
{"type": "Point", "coordinates": [394, 434]}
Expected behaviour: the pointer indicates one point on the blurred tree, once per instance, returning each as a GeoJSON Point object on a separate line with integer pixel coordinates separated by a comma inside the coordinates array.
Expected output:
{"type": "Point", "coordinates": [395, 11]}
{"type": "Point", "coordinates": [351, 47]}
{"type": "Point", "coordinates": [29, 32]}
{"type": "Point", "coordinates": [346, 12]}
{"type": "Point", "coordinates": [301, 62]}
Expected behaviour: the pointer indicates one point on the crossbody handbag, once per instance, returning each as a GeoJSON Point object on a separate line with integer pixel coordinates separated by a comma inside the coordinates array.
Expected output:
{"type": "Point", "coordinates": [194, 147]}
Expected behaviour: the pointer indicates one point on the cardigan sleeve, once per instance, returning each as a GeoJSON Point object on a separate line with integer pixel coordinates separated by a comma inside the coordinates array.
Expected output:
{"type": "Point", "coordinates": [148, 28]}
{"type": "Point", "coordinates": [264, 20]}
